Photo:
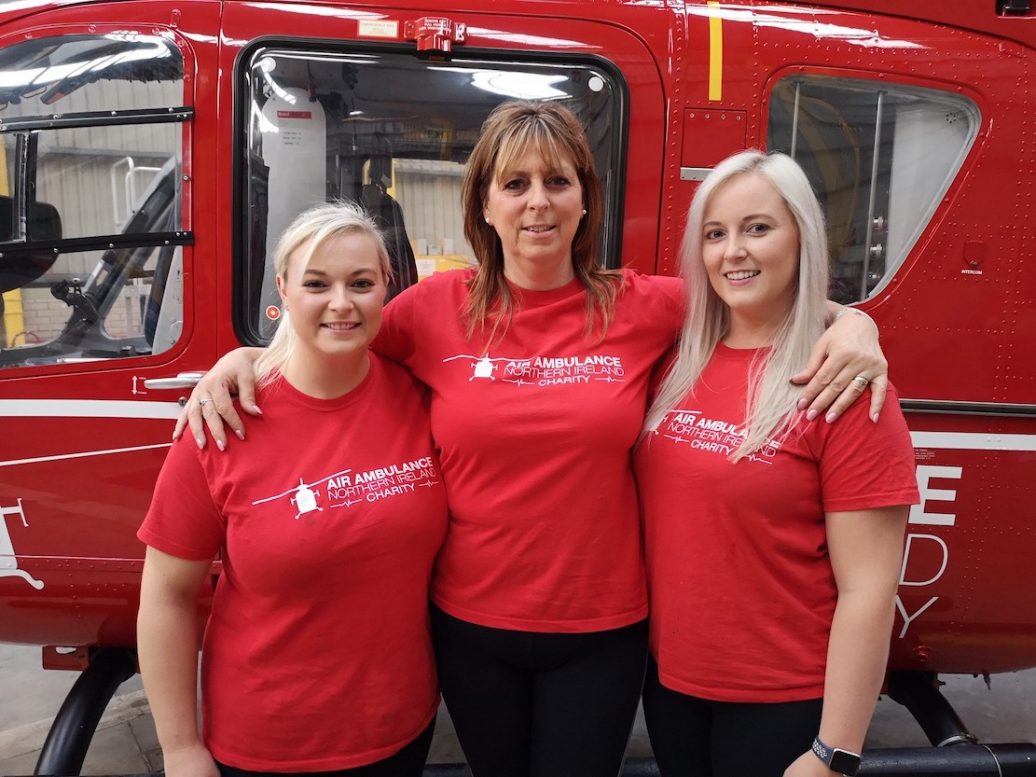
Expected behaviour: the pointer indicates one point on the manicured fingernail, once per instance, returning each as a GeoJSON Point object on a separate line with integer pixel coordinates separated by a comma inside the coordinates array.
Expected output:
{"type": "Point", "coordinates": [240, 434]}
{"type": "Point", "coordinates": [256, 409]}
{"type": "Point", "coordinates": [200, 441]}
{"type": "Point", "coordinates": [830, 417]}
{"type": "Point", "coordinates": [801, 405]}
{"type": "Point", "coordinates": [874, 418]}
{"type": "Point", "coordinates": [811, 415]}
{"type": "Point", "coordinates": [221, 446]}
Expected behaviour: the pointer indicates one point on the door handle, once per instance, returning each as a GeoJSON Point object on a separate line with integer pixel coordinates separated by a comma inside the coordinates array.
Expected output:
{"type": "Point", "coordinates": [183, 380]}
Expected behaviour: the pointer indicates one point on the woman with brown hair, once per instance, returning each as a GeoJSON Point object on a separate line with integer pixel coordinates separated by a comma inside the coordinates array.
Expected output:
{"type": "Point", "coordinates": [538, 362]}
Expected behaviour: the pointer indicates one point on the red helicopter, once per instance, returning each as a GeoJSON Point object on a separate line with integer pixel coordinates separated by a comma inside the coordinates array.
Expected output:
{"type": "Point", "coordinates": [152, 149]}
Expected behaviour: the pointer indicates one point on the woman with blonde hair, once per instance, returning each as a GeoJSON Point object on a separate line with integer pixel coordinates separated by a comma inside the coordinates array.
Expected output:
{"type": "Point", "coordinates": [317, 656]}
{"type": "Point", "coordinates": [773, 544]}
{"type": "Point", "coordinates": [538, 361]}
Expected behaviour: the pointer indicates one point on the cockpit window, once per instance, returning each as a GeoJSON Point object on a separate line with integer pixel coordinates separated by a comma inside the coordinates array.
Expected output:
{"type": "Point", "coordinates": [91, 218]}
{"type": "Point", "coordinates": [74, 73]}
{"type": "Point", "coordinates": [880, 157]}
{"type": "Point", "coordinates": [392, 132]}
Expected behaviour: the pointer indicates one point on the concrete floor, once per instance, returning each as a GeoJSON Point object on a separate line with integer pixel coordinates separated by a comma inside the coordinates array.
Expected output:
{"type": "Point", "coordinates": [126, 744]}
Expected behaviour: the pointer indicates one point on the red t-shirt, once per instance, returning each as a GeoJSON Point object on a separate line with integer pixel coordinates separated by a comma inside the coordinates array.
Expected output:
{"type": "Point", "coordinates": [535, 435]}
{"type": "Point", "coordinates": [317, 655]}
{"type": "Point", "coordinates": [742, 590]}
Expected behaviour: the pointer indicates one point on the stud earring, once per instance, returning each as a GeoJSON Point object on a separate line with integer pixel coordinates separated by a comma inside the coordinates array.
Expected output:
{"type": "Point", "coordinates": [584, 211]}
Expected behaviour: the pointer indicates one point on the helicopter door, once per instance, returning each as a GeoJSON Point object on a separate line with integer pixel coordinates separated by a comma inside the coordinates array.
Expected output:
{"type": "Point", "coordinates": [399, 127]}
{"type": "Point", "coordinates": [97, 109]}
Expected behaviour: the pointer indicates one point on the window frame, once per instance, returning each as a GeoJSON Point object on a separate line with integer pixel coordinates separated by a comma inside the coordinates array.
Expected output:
{"type": "Point", "coordinates": [614, 199]}
{"type": "Point", "coordinates": [894, 267]}
{"type": "Point", "coordinates": [26, 130]}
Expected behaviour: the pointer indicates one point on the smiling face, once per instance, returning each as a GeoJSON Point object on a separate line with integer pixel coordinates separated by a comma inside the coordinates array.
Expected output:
{"type": "Point", "coordinates": [750, 248]}
{"type": "Point", "coordinates": [335, 301]}
{"type": "Point", "coordinates": [535, 208]}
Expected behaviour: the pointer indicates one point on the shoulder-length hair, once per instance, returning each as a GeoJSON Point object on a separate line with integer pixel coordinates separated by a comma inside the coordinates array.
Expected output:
{"type": "Point", "coordinates": [311, 230]}
{"type": "Point", "coordinates": [553, 131]}
{"type": "Point", "coordinates": [770, 407]}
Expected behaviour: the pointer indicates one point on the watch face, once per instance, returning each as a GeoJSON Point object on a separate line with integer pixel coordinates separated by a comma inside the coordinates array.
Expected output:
{"type": "Point", "coordinates": [844, 762]}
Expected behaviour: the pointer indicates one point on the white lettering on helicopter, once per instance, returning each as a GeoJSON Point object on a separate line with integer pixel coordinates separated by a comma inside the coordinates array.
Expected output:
{"type": "Point", "coordinates": [920, 516]}
{"type": "Point", "coordinates": [8, 561]}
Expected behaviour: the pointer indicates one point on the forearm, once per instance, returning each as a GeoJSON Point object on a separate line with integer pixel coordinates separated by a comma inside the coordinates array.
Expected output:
{"type": "Point", "coordinates": [856, 659]}
{"type": "Point", "coordinates": [167, 644]}
{"type": "Point", "coordinates": [253, 352]}
{"type": "Point", "coordinates": [836, 311]}
{"type": "Point", "coordinates": [833, 309]}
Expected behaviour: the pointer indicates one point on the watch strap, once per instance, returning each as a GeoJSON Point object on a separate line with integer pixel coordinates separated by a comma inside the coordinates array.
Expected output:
{"type": "Point", "coordinates": [837, 760]}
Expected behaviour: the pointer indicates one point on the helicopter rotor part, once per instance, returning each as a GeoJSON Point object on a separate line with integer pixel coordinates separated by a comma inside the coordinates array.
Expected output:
{"type": "Point", "coordinates": [633, 767]}
{"type": "Point", "coordinates": [969, 760]}
{"type": "Point", "coordinates": [965, 760]}
{"type": "Point", "coordinates": [69, 737]}
{"type": "Point", "coordinates": [919, 693]}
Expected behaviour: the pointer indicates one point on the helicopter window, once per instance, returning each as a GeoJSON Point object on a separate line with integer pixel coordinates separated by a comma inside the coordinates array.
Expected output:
{"type": "Point", "coordinates": [130, 303]}
{"type": "Point", "coordinates": [91, 220]}
{"type": "Point", "coordinates": [392, 132]}
{"type": "Point", "coordinates": [880, 157]}
{"type": "Point", "coordinates": [98, 177]}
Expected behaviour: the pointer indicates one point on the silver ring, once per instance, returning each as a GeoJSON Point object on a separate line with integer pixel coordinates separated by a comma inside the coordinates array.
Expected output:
{"type": "Point", "coordinates": [204, 402]}
{"type": "Point", "coordinates": [861, 382]}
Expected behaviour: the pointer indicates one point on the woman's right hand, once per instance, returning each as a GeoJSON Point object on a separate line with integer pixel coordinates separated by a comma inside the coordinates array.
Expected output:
{"type": "Point", "coordinates": [189, 761]}
{"type": "Point", "coordinates": [211, 404]}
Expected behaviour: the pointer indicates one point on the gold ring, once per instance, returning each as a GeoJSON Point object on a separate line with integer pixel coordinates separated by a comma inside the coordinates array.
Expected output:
{"type": "Point", "coordinates": [861, 382]}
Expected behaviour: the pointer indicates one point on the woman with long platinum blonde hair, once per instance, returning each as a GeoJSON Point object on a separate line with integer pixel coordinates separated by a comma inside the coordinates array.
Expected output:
{"type": "Point", "coordinates": [773, 543]}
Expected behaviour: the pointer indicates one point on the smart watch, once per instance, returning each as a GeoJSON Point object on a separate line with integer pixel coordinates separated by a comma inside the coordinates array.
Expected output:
{"type": "Point", "coordinates": [836, 759]}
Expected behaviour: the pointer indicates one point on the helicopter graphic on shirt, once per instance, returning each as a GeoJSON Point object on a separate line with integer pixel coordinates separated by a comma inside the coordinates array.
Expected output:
{"type": "Point", "coordinates": [482, 367]}
{"type": "Point", "coordinates": [304, 496]}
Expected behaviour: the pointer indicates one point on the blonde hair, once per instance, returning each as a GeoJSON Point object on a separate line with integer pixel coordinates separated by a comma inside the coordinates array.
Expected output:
{"type": "Point", "coordinates": [512, 129]}
{"type": "Point", "coordinates": [312, 229]}
{"type": "Point", "coordinates": [770, 403]}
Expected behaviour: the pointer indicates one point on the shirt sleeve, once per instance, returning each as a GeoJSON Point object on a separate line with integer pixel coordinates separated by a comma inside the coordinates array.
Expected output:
{"type": "Point", "coordinates": [666, 297]}
{"type": "Point", "coordinates": [866, 465]}
{"type": "Point", "coordinates": [183, 519]}
{"type": "Point", "coordinates": [674, 291]}
{"type": "Point", "coordinates": [395, 339]}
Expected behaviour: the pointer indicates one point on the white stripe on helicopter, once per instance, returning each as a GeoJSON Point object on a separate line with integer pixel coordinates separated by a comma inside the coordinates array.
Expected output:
{"type": "Point", "coordinates": [83, 455]}
{"type": "Point", "coordinates": [88, 408]}
{"type": "Point", "coordinates": [974, 441]}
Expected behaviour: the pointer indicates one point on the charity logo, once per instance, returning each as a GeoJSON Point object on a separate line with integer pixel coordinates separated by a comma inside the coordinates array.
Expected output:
{"type": "Point", "coordinates": [346, 488]}
{"type": "Point", "coordinates": [711, 435]}
{"type": "Point", "coordinates": [542, 370]}
{"type": "Point", "coordinates": [303, 497]}
{"type": "Point", "coordinates": [8, 561]}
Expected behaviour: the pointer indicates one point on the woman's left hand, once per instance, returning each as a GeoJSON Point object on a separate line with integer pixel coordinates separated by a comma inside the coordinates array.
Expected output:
{"type": "Point", "coordinates": [808, 765]}
{"type": "Point", "coordinates": [845, 356]}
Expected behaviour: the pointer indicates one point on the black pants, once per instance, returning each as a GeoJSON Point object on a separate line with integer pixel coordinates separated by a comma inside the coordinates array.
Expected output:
{"type": "Point", "coordinates": [533, 704]}
{"type": "Point", "coordinates": [695, 737]}
{"type": "Point", "coordinates": [408, 762]}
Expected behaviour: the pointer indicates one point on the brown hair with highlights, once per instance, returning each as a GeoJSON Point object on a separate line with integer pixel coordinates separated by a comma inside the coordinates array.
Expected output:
{"type": "Point", "coordinates": [552, 130]}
